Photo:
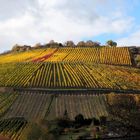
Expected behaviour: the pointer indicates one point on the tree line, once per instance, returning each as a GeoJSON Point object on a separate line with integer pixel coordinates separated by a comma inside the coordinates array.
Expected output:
{"type": "Point", "coordinates": [52, 43]}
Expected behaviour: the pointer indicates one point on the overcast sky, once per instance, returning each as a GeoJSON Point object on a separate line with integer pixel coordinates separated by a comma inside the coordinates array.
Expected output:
{"type": "Point", "coordinates": [33, 21]}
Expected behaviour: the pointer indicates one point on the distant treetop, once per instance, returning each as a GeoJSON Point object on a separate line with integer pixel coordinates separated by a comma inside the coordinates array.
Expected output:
{"type": "Point", "coordinates": [69, 43]}
{"type": "Point", "coordinates": [111, 43]}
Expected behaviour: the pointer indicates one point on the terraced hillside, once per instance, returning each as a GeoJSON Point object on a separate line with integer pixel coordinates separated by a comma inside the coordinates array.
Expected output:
{"type": "Point", "coordinates": [69, 75]}
{"type": "Point", "coordinates": [6, 100]}
{"type": "Point", "coordinates": [12, 128]}
{"type": "Point", "coordinates": [33, 106]}
{"type": "Point", "coordinates": [53, 83]}
{"type": "Point", "coordinates": [105, 55]}
{"type": "Point", "coordinates": [29, 107]}
{"type": "Point", "coordinates": [41, 105]}
{"type": "Point", "coordinates": [24, 56]}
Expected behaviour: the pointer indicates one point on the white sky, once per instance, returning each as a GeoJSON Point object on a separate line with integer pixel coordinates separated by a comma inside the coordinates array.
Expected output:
{"type": "Point", "coordinates": [33, 21]}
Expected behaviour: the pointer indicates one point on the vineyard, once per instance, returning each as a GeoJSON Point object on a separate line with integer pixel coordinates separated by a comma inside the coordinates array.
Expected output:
{"type": "Point", "coordinates": [53, 83]}
{"type": "Point", "coordinates": [31, 106]}
{"type": "Point", "coordinates": [18, 108]}
{"type": "Point", "coordinates": [68, 75]}
{"type": "Point", "coordinates": [16, 74]}
{"type": "Point", "coordinates": [6, 100]}
{"type": "Point", "coordinates": [52, 106]}
{"type": "Point", "coordinates": [12, 128]}
{"type": "Point", "coordinates": [24, 56]}
{"type": "Point", "coordinates": [105, 55]}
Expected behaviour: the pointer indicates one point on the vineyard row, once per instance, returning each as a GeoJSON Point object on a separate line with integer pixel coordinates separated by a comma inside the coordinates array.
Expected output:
{"type": "Point", "coordinates": [69, 75]}
{"type": "Point", "coordinates": [34, 106]}
{"type": "Point", "coordinates": [105, 55]}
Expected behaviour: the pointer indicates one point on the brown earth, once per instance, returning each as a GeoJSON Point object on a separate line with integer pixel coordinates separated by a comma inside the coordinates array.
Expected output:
{"type": "Point", "coordinates": [6, 89]}
{"type": "Point", "coordinates": [3, 138]}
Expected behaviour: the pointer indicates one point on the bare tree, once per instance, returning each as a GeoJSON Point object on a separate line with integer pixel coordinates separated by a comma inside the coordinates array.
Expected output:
{"type": "Point", "coordinates": [81, 44]}
{"type": "Point", "coordinates": [37, 46]}
{"type": "Point", "coordinates": [69, 44]}
{"type": "Point", "coordinates": [52, 44]}
{"type": "Point", "coordinates": [90, 43]}
{"type": "Point", "coordinates": [16, 48]}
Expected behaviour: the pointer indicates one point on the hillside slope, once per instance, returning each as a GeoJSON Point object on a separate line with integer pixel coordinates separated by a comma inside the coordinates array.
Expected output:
{"type": "Point", "coordinates": [69, 75]}
{"type": "Point", "coordinates": [103, 55]}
